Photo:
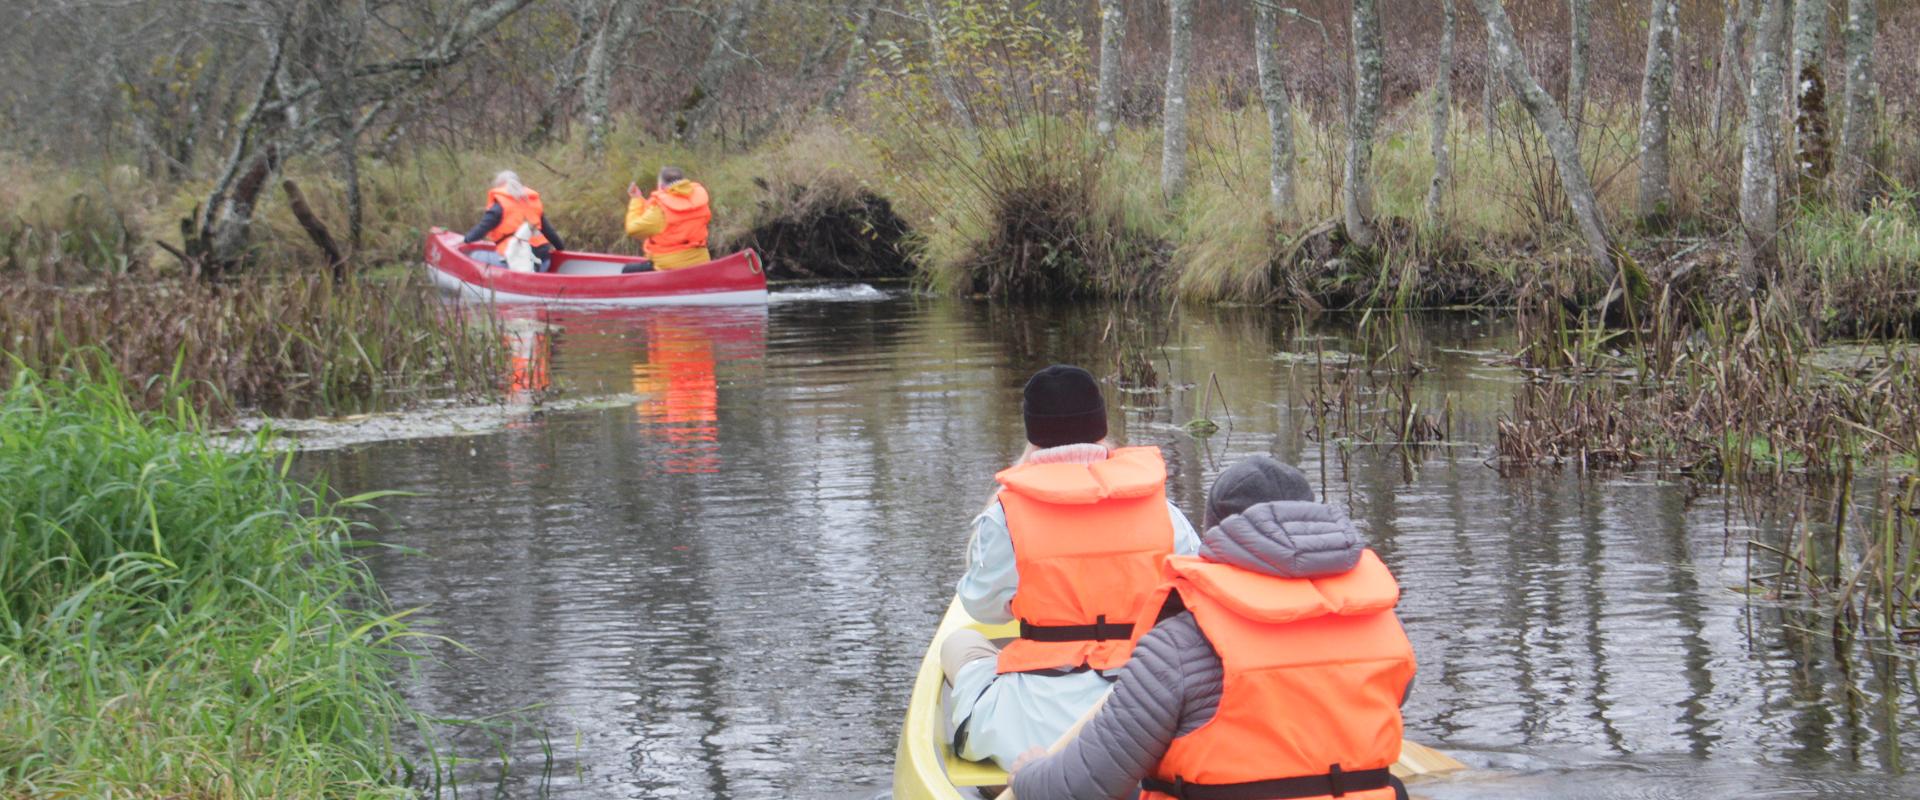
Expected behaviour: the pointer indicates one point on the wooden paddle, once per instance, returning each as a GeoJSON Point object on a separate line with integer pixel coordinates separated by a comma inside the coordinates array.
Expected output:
{"type": "Point", "coordinates": [1415, 758]}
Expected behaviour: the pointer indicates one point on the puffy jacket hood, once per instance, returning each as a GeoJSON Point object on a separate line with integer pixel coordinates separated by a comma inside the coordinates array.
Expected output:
{"type": "Point", "coordinates": [1287, 539]}
{"type": "Point", "coordinates": [681, 195]}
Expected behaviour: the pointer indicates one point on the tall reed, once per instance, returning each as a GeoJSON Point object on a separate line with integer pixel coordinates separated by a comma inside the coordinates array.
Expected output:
{"type": "Point", "coordinates": [177, 617]}
{"type": "Point", "coordinates": [285, 344]}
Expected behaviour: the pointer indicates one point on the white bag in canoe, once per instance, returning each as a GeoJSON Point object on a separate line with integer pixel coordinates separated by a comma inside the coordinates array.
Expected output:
{"type": "Point", "coordinates": [520, 257]}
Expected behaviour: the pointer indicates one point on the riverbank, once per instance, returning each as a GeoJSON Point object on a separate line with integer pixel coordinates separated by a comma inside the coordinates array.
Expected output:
{"type": "Point", "coordinates": [180, 619]}
{"type": "Point", "coordinates": [1038, 207]}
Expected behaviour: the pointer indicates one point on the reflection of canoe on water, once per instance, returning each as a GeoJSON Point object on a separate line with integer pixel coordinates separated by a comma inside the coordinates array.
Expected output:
{"type": "Point", "coordinates": [595, 278]}
{"type": "Point", "coordinates": [925, 768]}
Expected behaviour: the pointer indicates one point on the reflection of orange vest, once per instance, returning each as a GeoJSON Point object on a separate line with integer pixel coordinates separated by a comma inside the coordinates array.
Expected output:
{"type": "Point", "coordinates": [1313, 674]}
{"type": "Point", "coordinates": [528, 355]}
{"type": "Point", "coordinates": [683, 394]}
{"type": "Point", "coordinates": [514, 211]}
{"type": "Point", "coordinates": [1087, 543]}
{"type": "Point", "coordinates": [687, 217]}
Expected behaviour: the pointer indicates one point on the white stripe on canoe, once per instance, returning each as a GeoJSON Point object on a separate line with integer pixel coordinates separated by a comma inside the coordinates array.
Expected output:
{"type": "Point", "coordinates": [483, 294]}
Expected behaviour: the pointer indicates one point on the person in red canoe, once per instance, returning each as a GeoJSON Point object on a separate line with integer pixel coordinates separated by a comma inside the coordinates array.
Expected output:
{"type": "Point", "coordinates": [672, 220]}
{"type": "Point", "coordinates": [511, 204]}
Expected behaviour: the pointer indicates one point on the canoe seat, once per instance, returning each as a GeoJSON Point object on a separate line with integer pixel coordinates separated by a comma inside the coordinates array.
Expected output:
{"type": "Point", "coordinates": [972, 773]}
{"type": "Point", "coordinates": [978, 773]}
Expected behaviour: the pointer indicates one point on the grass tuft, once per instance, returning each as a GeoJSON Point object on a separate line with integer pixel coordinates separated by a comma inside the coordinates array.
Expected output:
{"type": "Point", "coordinates": [177, 618]}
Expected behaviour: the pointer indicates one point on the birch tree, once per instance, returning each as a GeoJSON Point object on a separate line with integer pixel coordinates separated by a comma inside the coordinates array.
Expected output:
{"type": "Point", "coordinates": [1442, 114]}
{"type": "Point", "coordinates": [937, 55]}
{"type": "Point", "coordinates": [1553, 127]}
{"type": "Point", "coordinates": [1759, 178]}
{"type": "Point", "coordinates": [1579, 12]}
{"type": "Point", "coordinates": [1727, 74]}
{"type": "Point", "coordinates": [303, 94]}
{"type": "Point", "coordinates": [1656, 105]}
{"type": "Point", "coordinates": [1856, 128]}
{"type": "Point", "coordinates": [855, 64]}
{"type": "Point", "coordinates": [612, 36]}
{"type": "Point", "coordinates": [1173, 113]}
{"type": "Point", "coordinates": [1113, 36]}
{"type": "Point", "coordinates": [1357, 188]}
{"type": "Point", "coordinates": [727, 50]}
{"type": "Point", "coordinates": [1273, 93]}
{"type": "Point", "coordinates": [1812, 150]}
{"type": "Point", "coordinates": [1489, 85]}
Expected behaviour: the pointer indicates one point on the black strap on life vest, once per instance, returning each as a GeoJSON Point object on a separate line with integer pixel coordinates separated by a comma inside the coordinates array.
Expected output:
{"type": "Point", "coordinates": [1335, 783]}
{"type": "Point", "coordinates": [1100, 631]}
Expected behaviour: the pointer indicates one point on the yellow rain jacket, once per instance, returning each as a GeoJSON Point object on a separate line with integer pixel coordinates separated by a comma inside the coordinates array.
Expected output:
{"type": "Point", "coordinates": [673, 221]}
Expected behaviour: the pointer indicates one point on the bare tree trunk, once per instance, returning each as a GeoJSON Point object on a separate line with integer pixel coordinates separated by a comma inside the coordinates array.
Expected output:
{"type": "Point", "coordinates": [1113, 36]}
{"type": "Point", "coordinates": [1727, 82]}
{"type": "Point", "coordinates": [1553, 126]}
{"type": "Point", "coordinates": [1273, 94]}
{"type": "Point", "coordinates": [316, 230]}
{"type": "Point", "coordinates": [1173, 112]}
{"type": "Point", "coordinates": [350, 174]}
{"type": "Point", "coordinates": [1442, 115]}
{"type": "Point", "coordinates": [937, 54]}
{"type": "Point", "coordinates": [1812, 149]}
{"type": "Point", "coordinates": [1856, 130]}
{"type": "Point", "coordinates": [855, 64]}
{"type": "Point", "coordinates": [612, 36]}
{"type": "Point", "coordinates": [1759, 178]}
{"type": "Point", "coordinates": [589, 19]}
{"type": "Point", "coordinates": [1489, 84]}
{"type": "Point", "coordinates": [1357, 188]}
{"type": "Point", "coordinates": [1656, 107]}
{"type": "Point", "coordinates": [278, 125]}
{"type": "Point", "coordinates": [726, 52]}
{"type": "Point", "coordinates": [1579, 12]}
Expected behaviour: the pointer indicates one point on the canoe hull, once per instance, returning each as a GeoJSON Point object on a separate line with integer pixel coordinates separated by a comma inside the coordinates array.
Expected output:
{"type": "Point", "coordinates": [595, 279]}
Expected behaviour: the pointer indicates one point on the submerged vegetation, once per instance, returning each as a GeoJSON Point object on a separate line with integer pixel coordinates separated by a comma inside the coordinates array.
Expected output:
{"type": "Point", "coordinates": [177, 617]}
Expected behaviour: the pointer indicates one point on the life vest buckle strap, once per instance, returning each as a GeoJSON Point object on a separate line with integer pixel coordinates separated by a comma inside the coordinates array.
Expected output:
{"type": "Point", "coordinates": [1335, 783]}
{"type": "Point", "coordinates": [1099, 631]}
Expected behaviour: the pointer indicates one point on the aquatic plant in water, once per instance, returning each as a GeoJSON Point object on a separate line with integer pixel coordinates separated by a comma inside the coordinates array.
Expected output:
{"type": "Point", "coordinates": [294, 344]}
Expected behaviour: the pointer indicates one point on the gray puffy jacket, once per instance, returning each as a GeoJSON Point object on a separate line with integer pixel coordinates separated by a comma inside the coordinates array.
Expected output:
{"type": "Point", "coordinates": [1171, 686]}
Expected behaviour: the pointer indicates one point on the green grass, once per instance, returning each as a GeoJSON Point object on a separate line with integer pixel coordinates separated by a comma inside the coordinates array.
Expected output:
{"type": "Point", "coordinates": [177, 617]}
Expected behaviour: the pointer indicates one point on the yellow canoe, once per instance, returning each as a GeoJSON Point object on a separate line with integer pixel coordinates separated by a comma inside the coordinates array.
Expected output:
{"type": "Point", "coordinates": [925, 768]}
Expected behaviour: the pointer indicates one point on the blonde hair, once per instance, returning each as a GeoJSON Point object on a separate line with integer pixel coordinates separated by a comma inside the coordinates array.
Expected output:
{"type": "Point", "coordinates": [509, 180]}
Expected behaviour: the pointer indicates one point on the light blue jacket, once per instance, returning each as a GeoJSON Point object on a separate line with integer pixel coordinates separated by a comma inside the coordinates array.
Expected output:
{"type": "Point", "coordinates": [1006, 715]}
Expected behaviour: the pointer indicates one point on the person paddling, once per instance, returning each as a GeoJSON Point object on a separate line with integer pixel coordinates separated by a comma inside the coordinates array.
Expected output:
{"type": "Point", "coordinates": [1072, 541]}
{"type": "Point", "coordinates": [1275, 672]}
{"type": "Point", "coordinates": [511, 204]}
{"type": "Point", "coordinates": [672, 220]}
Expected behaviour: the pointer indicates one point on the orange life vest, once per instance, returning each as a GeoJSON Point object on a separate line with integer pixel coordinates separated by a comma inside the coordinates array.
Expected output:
{"type": "Point", "coordinates": [1088, 540]}
{"type": "Point", "coordinates": [513, 211]}
{"type": "Point", "coordinates": [687, 217]}
{"type": "Point", "coordinates": [1313, 674]}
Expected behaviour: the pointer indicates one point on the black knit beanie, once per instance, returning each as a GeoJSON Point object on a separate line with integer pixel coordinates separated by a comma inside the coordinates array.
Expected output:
{"type": "Point", "coordinates": [1063, 406]}
{"type": "Point", "coordinates": [1260, 479]}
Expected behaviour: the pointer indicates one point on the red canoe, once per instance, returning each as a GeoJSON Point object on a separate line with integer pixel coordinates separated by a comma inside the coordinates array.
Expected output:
{"type": "Point", "coordinates": [594, 278]}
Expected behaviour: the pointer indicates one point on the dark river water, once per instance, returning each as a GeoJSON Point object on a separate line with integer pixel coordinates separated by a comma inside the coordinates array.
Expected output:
{"type": "Point", "coordinates": [719, 581]}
